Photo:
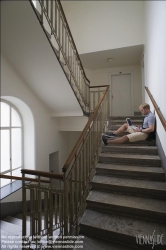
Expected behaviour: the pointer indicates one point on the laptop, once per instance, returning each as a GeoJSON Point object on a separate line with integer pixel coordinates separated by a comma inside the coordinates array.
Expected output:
{"type": "Point", "coordinates": [128, 120]}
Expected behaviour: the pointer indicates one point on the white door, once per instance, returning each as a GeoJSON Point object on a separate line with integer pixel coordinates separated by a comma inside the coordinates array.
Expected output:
{"type": "Point", "coordinates": [121, 104]}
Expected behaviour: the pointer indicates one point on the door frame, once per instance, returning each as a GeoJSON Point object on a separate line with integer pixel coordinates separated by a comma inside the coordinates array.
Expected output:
{"type": "Point", "coordinates": [131, 88]}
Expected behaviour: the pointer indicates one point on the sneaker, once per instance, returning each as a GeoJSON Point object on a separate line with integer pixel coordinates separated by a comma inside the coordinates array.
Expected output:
{"type": "Point", "coordinates": [104, 140]}
{"type": "Point", "coordinates": [110, 135]}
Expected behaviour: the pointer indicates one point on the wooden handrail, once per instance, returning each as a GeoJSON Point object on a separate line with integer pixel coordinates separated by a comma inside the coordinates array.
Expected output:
{"type": "Point", "coordinates": [100, 86]}
{"type": "Point", "coordinates": [160, 115]}
{"type": "Point", "coordinates": [42, 173]}
{"type": "Point", "coordinates": [80, 139]}
{"type": "Point", "coordinates": [72, 38]}
{"type": "Point", "coordinates": [20, 178]}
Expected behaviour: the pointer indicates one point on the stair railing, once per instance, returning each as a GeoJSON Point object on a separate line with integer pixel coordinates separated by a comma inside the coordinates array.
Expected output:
{"type": "Point", "coordinates": [44, 204]}
{"type": "Point", "coordinates": [66, 50]}
{"type": "Point", "coordinates": [160, 115]}
{"type": "Point", "coordinates": [78, 169]}
{"type": "Point", "coordinates": [64, 206]}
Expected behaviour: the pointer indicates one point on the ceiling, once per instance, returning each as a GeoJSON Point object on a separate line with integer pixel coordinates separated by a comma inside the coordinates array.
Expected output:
{"type": "Point", "coordinates": [121, 57]}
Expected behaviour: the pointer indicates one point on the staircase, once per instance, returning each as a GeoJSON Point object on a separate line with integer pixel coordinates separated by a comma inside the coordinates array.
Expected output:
{"type": "Point", "coordinates": [127, 202]}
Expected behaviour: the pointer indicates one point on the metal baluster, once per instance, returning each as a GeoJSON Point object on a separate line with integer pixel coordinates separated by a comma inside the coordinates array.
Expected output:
{"type": "Point", "coordinates": [71, 201]}
{"type": "Point", "coordinates": [76, 194]}
{"type": "Point", "coordinates": [65, 205]}
{"type": "Point", "coordinates": [41, 2]}
{"type": "Point", "coordinates": [80, 179]}
{"type": "Point", "coordinates": [47, 2]}
{"type": "Point", "coordinates": [56, 19]}
{"type": "Point", "coordinates": [50, 211]}
{"type": "Point", "coordinates": [39, 206]}
{"type": "Point", "coordinates": [62, 36]}
{"type": "Point", "coordinates": [52, 25]}
{"type": "Point", "coordinates": [32, 212]}
{"type": "Point", "coordinates": [23, 207]}
{"type": "Point", "coordinates": [59, 33]}
{"type": "Point", "coordinates": [62, 219]}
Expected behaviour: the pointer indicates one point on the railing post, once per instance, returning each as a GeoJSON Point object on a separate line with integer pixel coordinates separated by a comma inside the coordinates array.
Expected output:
{"type": "Point", "coordinates": [65, 202]}
{"type": "Point", "coordinates": [23, 209]}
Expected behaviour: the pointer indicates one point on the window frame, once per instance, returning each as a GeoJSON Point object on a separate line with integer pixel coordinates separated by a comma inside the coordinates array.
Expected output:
{"type": "Point", "coordinates": [9, 171]}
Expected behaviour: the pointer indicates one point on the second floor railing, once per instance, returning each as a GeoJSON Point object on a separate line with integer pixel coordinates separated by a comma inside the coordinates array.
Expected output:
{"type": "Point", "coordinates": [55, 212]}
{"type": "Point", "coordinates": [66, 50]}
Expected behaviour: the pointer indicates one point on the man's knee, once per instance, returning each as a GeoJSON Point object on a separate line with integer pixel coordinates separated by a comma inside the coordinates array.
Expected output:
{"type": "Point", "coordinates": [125, 125]}
{"type": "Point", "coordinates": [125, 138]}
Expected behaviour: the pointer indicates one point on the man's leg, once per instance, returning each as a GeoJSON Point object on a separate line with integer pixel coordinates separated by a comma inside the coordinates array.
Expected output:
{"type": "Point", "coordinates": [122, 129]}
{"type": "Point", "coordinates": [119, 140]}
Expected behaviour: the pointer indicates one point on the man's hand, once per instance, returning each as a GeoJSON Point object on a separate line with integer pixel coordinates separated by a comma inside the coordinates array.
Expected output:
{"type": "Point", "coordinates": [147, 130]}
{"type": "Point", "coordinates": [137, 129]}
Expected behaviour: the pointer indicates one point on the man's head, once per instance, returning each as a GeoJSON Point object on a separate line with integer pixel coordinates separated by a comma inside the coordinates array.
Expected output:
{"type": "Point", "coordinates": [144, 108]}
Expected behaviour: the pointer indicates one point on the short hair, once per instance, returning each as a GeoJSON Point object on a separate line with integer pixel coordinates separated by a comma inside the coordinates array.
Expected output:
{"type": "Point", "coordinates": [144, 106]}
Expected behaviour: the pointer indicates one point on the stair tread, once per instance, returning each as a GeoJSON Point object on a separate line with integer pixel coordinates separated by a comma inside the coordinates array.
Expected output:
{"type": "Point", "coordinates": [132, 146]}
{"type": "Point", "coordinates": [122, 224]}
{"type": "Point", "coordinates": [11, 228]}
{"type": "Point", "coordinates": [131, 156]}
{"type": "Point", "coordinates": [91, 243]}
{"type": "Point", "coordinates": [135, 120]}
{"type": "Point", "coordinates": [126, 182]}
{"type": "Point", "coordinates": [128, 201]}
{"type": "Point", "coordinates": [133, 168]}
{"type": "Point", "coordinates": [15, 221]}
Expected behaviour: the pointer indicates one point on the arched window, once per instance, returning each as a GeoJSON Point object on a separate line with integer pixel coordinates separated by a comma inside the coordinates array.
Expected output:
{"type": "Point", "coordinates": [11, 141]}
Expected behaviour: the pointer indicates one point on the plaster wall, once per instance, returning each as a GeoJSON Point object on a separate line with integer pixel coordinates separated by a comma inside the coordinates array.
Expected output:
{"type": "Point", "coordinates": [155, 77]}
{"type": "Point", "coordinates": [102, 25]}
{"type": "Point", "coordinates": [41, 136]}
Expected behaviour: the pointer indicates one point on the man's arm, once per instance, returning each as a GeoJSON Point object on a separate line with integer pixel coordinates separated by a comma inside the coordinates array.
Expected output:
{"type": "Point", "coordinates": [146, 130]}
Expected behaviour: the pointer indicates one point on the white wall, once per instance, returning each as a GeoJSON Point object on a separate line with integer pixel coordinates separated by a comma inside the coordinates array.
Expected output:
{"type": "Point", "coordinates": [47, 139]}
{"type": "Point", "coordinates": [102, 77]}
{"type": "Point", "coordinates": [102, 25]}
{"type": "Point", "coordinates": [155, 54]}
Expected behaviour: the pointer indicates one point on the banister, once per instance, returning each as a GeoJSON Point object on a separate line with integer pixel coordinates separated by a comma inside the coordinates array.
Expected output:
{"type": "Point", "coordinates": [42, 173]}
{"type": "Point", "coordinates": [160, 115]}
{"type": "Point", "coordinates": [98, 86]}
{"type": "Point", "coordinates": [72, 38]}
{"type": "Point", "coordinates": [20, 178]}
{"type": "Point", "coordinates": [73, 152]}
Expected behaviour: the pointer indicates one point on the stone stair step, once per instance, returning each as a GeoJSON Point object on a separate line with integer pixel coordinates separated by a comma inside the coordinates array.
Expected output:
{"type": "Point", "coordinates": [7, 241]}
{"type": "Point", "coordinates": [144, 160]}
{"type": "Point", "coordinates": [138, 172]}
{"type": "Point", "coordinates": [10, 228]}
{"type": "Point", "coordinates": [91, 243]}
{"type": "Point", "coordinates": [15, 221]}
{"type": "Point", "coordinates": [132, 149]}
{"type": "Point", "coordinates": [19, 216]}
{"type": "Point", "coordinates": [135, 117]}
{"type": "Point", "coordinates": [114, 127]}
{"type": "Point", "coordinates": [141, 207]}
{"type": "Point", "coordinates": [121, 229]}
{"type": "Point", "coordinates": [120, 122]}
{"type": "Point", "coordinates": [144, 188]}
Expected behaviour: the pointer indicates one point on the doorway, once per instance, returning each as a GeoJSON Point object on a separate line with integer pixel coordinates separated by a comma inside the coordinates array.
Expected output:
{"type": "Point", "coordinates": [121, 94]}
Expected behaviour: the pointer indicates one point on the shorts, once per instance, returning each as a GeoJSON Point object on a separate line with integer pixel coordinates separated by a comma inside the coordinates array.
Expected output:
{"type": "Point", "coordinates": [136, 136]}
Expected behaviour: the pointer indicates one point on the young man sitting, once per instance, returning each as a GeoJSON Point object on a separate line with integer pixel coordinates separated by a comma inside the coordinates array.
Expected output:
{"type": "Point", "coordinates": [138, 134]}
